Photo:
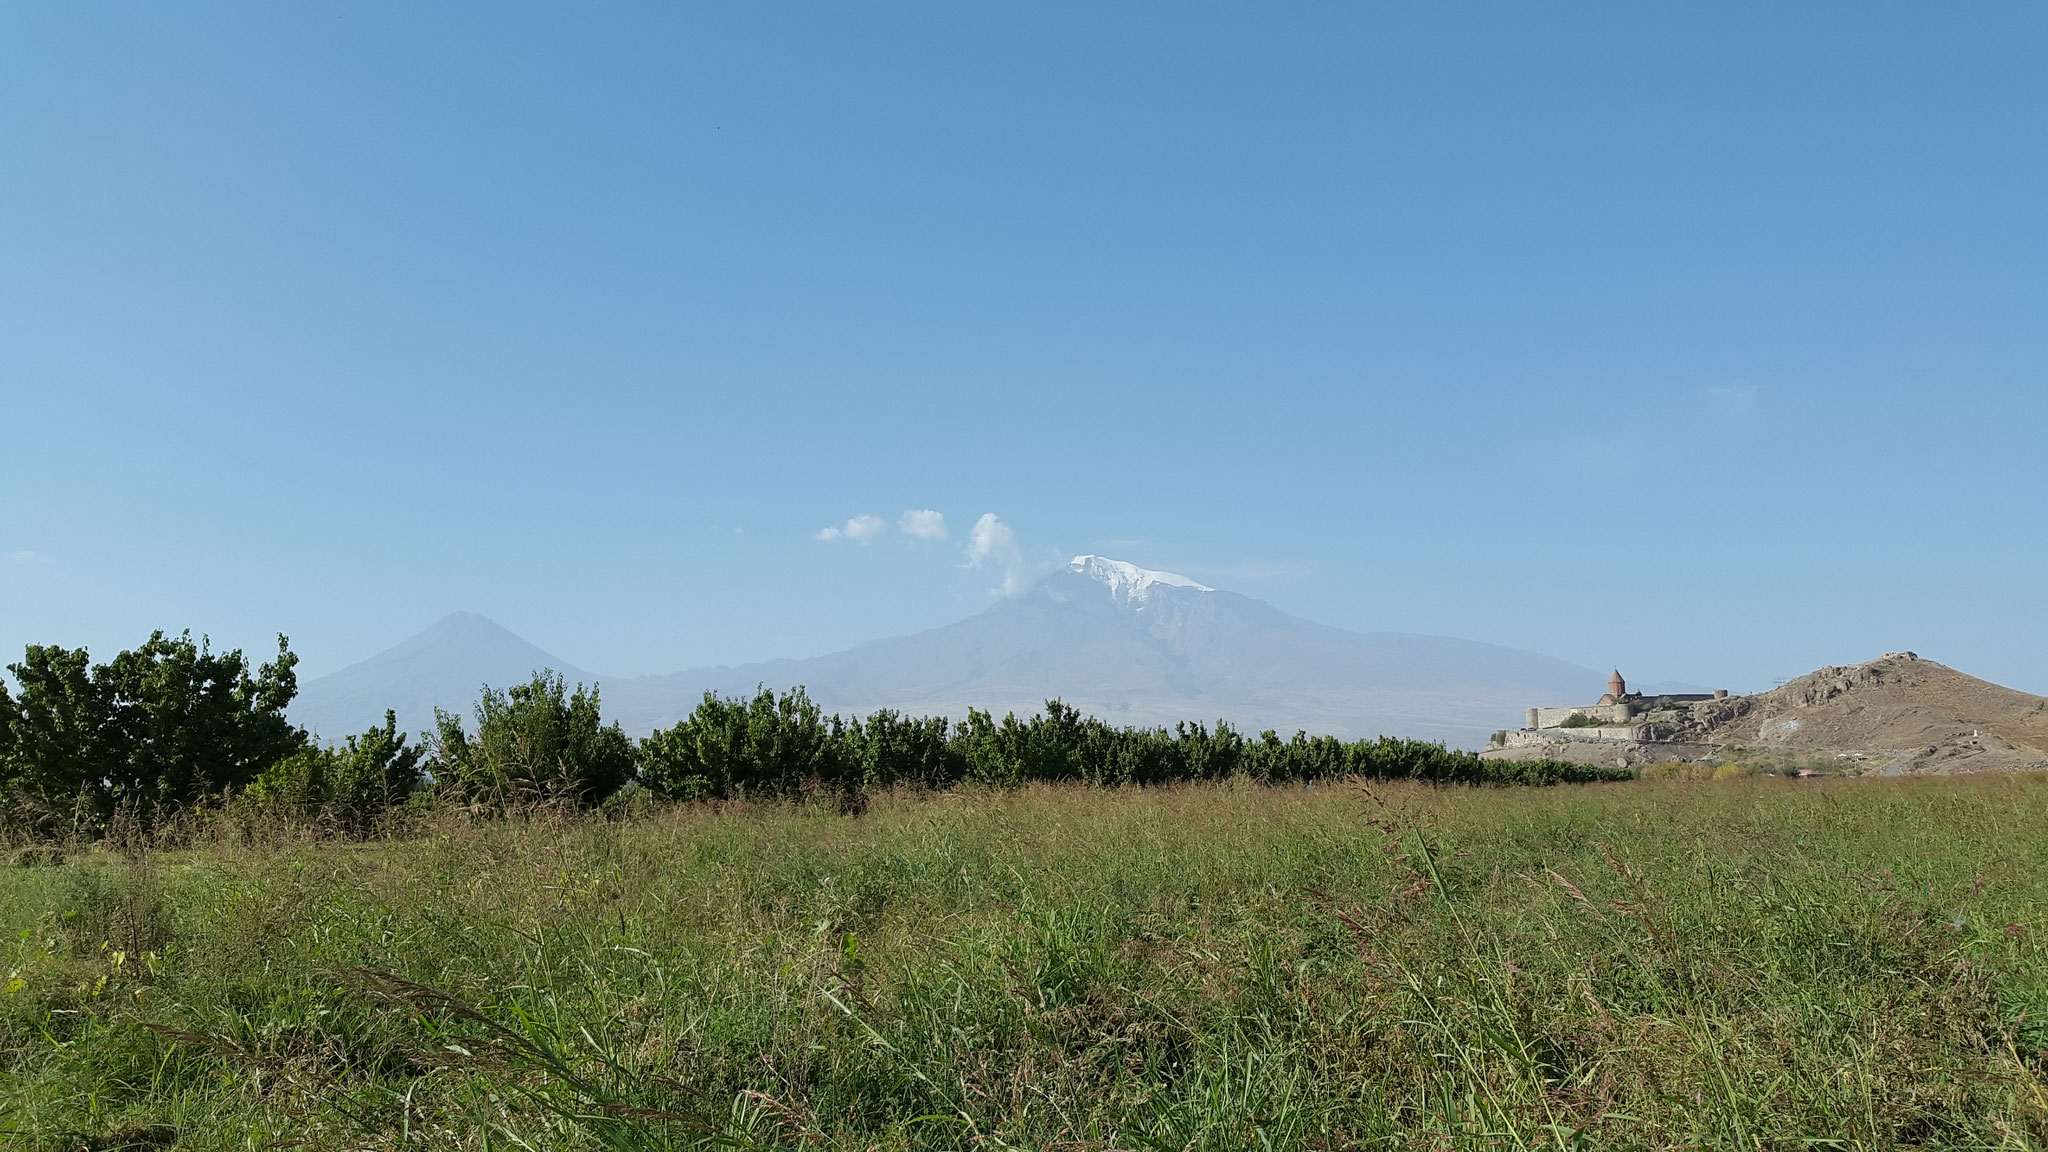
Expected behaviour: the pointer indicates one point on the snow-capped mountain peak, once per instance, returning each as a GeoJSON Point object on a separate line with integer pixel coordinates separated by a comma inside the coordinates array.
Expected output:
{"type": "Point", "coordinates": [1129, 584]}
{"type": "Point", "coordinates": [1112, 639]}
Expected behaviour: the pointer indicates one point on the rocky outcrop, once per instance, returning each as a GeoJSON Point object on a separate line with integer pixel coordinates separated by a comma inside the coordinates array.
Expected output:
{"type": "Point", "coordinates": [1896, 714]}
{"type": "Point", "coordinates": [1905, 712]}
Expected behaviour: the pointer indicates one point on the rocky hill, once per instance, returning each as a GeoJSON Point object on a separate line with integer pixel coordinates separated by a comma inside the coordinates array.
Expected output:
{"type": "Point", "coordinates": [1898, 713]}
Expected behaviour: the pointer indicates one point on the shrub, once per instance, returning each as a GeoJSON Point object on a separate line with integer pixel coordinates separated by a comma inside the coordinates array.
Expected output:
{"type": "Point", "coordinates": [889, 748]}
{"type": "Point", "coordinates": [353, 784]}
{"type": "Point", "coordinates": [770, 744]}
{"type": "Point", "coordinates": [536, 743]}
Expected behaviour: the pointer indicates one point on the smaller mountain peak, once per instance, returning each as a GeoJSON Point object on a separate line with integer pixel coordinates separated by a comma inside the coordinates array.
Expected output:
{"type": "Point", "coordinates": [465, 624]}
{"type": "Point", "coordinates": [1127, 582]}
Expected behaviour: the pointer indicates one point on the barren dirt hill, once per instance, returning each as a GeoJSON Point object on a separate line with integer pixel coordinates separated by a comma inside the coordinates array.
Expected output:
{"type": "Point", "coordinates": [1903, 713]}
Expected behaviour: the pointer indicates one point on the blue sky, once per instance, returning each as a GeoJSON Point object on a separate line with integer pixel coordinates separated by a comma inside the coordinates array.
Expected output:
{"type": "Point", "coordinates": [1707, 340]}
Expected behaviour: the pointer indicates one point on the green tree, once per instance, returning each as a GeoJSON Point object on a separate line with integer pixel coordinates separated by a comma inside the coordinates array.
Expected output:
{"type": "Point", "coordinates": [1053, 745]}
{"type": "Point", "coordinates": [353, 784]}
{"type": "Point", "coordinates": [890, 748]}
{"type": "Point", "coordinates": [56, 732]}
{"type": "Point", "coordinates": [185, 721]}
{"type": "Point", "coordinates": [157, 727]}
{"type": "Point", "coordinates": [772, 744]}
{"type": "Point", "coordinates": [536, 742]}
{"type": "Point", "coordinates": [6, 733]}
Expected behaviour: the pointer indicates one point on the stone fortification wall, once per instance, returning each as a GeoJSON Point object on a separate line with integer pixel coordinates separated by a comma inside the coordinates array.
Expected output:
{"type": "Point", "coordinates": [1621, 753]}
{"type": "Point", "coordinates": [1528, 739]}
{"type": "Point", "coordinates": [1552, 717]}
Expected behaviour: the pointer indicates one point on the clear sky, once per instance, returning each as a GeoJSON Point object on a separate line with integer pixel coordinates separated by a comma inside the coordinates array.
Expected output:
{"type": "Point", "coordinates": [1706, 340]}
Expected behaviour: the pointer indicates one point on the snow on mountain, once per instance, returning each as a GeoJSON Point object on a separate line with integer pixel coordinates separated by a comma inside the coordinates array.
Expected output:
{"type": "Point", "coordinates": [1128, 583]}
{"type": "Point", "coordinates": [1128, 644]}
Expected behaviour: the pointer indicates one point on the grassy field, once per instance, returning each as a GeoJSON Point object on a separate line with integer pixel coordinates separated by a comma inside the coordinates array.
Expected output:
{"type": "Point", "coordinates": [1748, 963]}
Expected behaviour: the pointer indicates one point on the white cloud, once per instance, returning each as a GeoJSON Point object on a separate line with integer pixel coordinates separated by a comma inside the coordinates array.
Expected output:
{"type": "Point", "coordinates": [990, 539]}
{"type": "Point", "coordinates": [923, 524]}
{"type": "Point", "coordinates": [992, 544]}
{"type": "Point", "coordinates": [27, 557]}
{"type": "Point", "coordinates": [860, 530]}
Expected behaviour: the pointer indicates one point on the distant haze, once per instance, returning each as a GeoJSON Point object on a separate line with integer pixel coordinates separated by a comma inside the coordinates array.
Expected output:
{"type": "Point", "coordinates": [1117, 641]}
{"type": "Point", "coordinates": [446, 666]}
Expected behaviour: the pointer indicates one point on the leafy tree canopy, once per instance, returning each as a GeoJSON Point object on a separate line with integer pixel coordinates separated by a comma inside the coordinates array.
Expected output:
{"type": "Point", "coordinates": [353, 783]}
{"type": "Point", "coordinates": [536, 742]}
{"type": "Point", "coordinates": [156, 727]}
{"type": "Point", "coordinates": [770, 743]}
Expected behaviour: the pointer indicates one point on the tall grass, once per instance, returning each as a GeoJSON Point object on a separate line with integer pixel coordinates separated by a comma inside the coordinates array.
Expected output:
{"type": "Point", "coordinates": [1750, 963]}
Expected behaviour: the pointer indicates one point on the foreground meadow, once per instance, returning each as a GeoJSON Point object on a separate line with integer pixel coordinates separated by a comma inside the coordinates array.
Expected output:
{"type": "Point", "coordinates": [1754, 964]}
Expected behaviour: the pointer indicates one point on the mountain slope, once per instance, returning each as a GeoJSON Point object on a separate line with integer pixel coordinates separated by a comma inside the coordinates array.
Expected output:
{"type": "Point", "coordinates": [1130, 645]}
{"type": "Point", "coordinates": [1141, 647]}
{"type": "Point", "coordinates": [1918, 715]}
{"type": "Point", "coordinates": [445, 666]}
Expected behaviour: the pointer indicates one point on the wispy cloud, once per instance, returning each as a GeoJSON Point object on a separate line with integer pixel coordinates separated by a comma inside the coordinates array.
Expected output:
{"type": "Point", "coordinates": [991, 541]}
{"type": "Point", "coordinates": [861, 530]}
{"type": "Point", "coordinates": [992, 546]}
{"type": "Point", "coordinates": [24, 556]}
{"type": "Point", "coordinates": [923, 524]}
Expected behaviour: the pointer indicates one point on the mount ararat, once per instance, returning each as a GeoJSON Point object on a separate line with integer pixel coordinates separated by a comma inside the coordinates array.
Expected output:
{"type": "Point", "coordinates": [1127, 644]}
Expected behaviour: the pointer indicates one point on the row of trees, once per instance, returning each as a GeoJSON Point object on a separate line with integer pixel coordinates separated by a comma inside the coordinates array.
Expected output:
{"type": "Point", "coordinates": [781, 743]}
{"type": "Point", "coordinates": [173, 724]}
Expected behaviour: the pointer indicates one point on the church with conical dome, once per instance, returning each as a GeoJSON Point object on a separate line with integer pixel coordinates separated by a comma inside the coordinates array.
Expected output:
{"type": "Point", "coordinates": [1617, 689]}
{"type": "Point", "coordinates": [1610, 716]}
{"type": "Point", "coordinates": [1624, 728]}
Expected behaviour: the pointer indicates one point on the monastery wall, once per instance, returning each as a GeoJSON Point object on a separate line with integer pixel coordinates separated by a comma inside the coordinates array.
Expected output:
{"type": "Point", "coordinates": [1552, 717]}
{"type": "Point", "coordinates": [1526, 738]}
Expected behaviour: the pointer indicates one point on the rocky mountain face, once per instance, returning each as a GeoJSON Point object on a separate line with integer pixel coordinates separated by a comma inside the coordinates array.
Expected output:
{"type": "Point", "coordinates": [1895, 715]}
{"type": "Point", "coordinates": [1130, 645]}
{"type": "Point", "coordinates": [1900, 712]}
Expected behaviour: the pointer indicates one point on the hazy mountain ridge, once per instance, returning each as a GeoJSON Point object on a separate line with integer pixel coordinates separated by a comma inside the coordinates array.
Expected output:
{"type": "Point", "coordinates": [445, 666]}
{"type": "Point", "coordinates": [1121, 642]}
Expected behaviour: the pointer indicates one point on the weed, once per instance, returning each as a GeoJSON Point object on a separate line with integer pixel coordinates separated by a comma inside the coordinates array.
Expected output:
{"type": "Point", "coordinates": [1850, 963]}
